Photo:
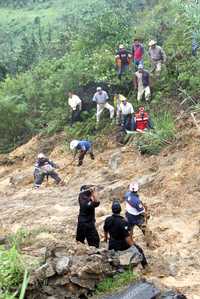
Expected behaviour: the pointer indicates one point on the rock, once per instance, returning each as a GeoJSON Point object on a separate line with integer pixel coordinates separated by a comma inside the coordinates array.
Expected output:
{"type": "Point", "coordinates": [63, 265]}
{"type": "Point", "coordinates": [3, 240]}
{"type": "Point", "coordinates": [130, 256]}
{"type": "Point", "coordinates": [145, 179]}
{"type": "Point", "coordinates": [115, 160]}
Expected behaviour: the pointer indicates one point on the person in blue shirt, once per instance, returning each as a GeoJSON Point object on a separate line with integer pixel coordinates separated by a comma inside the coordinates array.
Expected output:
{"type": "Point", "coordinates": [135, 210]}
{"type": "Point", "coordinates": [83, 147]}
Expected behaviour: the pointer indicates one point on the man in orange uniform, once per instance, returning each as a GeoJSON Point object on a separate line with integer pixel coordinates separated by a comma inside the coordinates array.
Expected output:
{"type": "Point", "coordinates": [142, 121]}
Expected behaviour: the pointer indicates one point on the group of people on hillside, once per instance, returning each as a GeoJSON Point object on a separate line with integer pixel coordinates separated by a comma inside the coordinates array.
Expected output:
{"type": "Point", "coordinates": [125, 58]}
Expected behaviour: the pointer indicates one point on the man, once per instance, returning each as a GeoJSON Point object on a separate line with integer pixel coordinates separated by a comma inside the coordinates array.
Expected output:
{"type": "Point", "coordinates": [137, 52]}
{"type": "Point", "coordinates": [126, 115]}
{"type": "Point", "coordinates": [157, 56]}
{"type": "Point", "coordinates": [44, 167]}
{"type": "Point", "coordinates": [142, 83]}
{"type": "Point", "coordinates": [122, 60]}
{"type": "Point", "coordinates": [83, 147]}
{"type": "Point", "coordinates": [117, 101]}
{"type": "Point", "coordinates": [117, 231]}
{"type": "Point", "coordinates": [101, 98]}
{"type": "Point", "coordinates": [86, 220]}
{"type": "Point", "coordinates": [142, 121]}
{"type": "Point", "coordinates": [135, 210]}
{"type": "Point", "coordinates": [75, 104]}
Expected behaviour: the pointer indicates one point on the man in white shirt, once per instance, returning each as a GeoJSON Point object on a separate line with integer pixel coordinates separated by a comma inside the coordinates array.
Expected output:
{"type": "Point", "coordinates": [101, 98]}
{"type": "Point", "coordinates": [75, 104]}
{"type": "Point", "coordinates": [127, 115]}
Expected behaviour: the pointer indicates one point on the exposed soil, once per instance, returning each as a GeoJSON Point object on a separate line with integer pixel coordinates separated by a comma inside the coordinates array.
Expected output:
{"type": "Point", "coordinates": [170, 188]}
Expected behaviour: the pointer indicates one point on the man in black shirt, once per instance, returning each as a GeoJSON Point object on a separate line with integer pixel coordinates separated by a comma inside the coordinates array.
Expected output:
{"type": "Point", "coordinates": [118, 230]}
{"type": "Point", "coordinates": [86, 220]}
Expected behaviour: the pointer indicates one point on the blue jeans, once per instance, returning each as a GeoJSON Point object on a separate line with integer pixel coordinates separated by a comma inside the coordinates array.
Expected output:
{"type": "Point", "coordinates": [128, 122]}
{"type": "Point", "coordinates": [137, 62]}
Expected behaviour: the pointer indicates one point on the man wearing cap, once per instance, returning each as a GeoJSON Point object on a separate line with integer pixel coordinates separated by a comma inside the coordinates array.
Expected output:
{"type": "Point", "coordinates": [44, 167]}
{"type": "Point", "coordinates": [127, 115]}
{"type": "Point", "coordinates": [117, 232]}
{"type": "Point", "coordinates": [86, 229]}
{"type": "Point", "coordinates": [122, 60]}
{"type": "Point", "coordinates": [83, 147]}
{"type": "Point", "coordinates": [135, 210]}
{"type": "Point", "coordinates": [75, 104]}
{"type": "Point", "coordinates": [101, 98]}
{"type": "Point", "coordinates": [157, 56]}
{"type": "Point", "coordinates": [142, 83]}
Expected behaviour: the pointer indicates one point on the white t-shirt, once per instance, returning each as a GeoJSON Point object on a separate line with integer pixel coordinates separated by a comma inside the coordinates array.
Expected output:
{"type": "Point", "coordinates": [74, 101]}
{"type": "Point", "coordinates": [126, 109]}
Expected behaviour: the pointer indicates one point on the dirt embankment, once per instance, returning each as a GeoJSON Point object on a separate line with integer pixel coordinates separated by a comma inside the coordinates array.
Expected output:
{"type": "Point", "coordinates": [170, 186]}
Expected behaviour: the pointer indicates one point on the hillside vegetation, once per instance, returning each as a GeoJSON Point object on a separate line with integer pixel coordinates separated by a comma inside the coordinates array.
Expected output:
{"type": "Point", "coordinates": [50, 47]}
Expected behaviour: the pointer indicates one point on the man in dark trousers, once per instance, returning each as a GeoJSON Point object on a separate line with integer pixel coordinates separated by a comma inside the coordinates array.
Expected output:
{"type": "Point", "coordinates": [86, 220]}
{"type": "Point", "coordinates": [44, 167]}
{"type": "Point", "coordinates": [118, 231]}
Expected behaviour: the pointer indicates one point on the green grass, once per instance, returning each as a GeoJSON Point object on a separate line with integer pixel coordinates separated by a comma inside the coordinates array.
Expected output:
{"type": "Point", "coordinates": [114, 283]}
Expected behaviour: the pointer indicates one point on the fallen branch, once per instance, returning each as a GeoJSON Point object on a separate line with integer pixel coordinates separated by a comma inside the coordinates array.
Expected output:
{"type": "Point", "coordinates": [195, 121]}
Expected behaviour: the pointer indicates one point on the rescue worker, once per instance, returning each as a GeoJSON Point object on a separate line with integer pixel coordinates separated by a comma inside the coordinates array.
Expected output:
{"type": "Point", "coordinates": [127, 115]}
{"type": "Point", "coordinates": [44, 168]}
{"type": "Point", "coordinates": [142, 83]}
{"type": "Point", "coordinates": [83, 147]}
{"type": "Point", "coordinates": [86, 220]}
{"type": "Point", "coordinates": [137, 53]}
{"type": "Point", "coordinates": [117, 232]}
{"type": "Point", "coordinates": [122, 60]}
{"type": "Point", "coordinates": [75, 104]}
{"type": "Point", "coordinates": [101, 99]}
{"type": "Point", "coordinates": [142, 121]}
{"type": "Point", "coordinates": [117, 101]}
{"type": "Point", "coordinates": [157, 56]}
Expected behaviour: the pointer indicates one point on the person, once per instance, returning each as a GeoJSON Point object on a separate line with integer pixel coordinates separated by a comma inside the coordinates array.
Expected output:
{"type": "Point", "coordinates": [83, 146]}
{"type": "Point", "coordinates": [137, 52]}
{"type": "Point", "coordinates": [157, 56]}
{"type": "Point", "coordinates": [117, 232]}
{"type": "Point", "coordinates": [142, 83]}
{"type": "Point", "coordinates": [86, 229]}
{"type": "Point", "coordinates": [44, 168]}
{"type": "Point", "coordinates": [122, 60]}
{"type": "Point", "coordinates": [126, 115]}
{"type": "Point", "coordinates": [142, 121]}
{"type": "Point", "coordinates": [117, 101]}
{"type": "Point", "coordinates": [75, 104]}
{"type": "Point", "coordinates": [101, 98]}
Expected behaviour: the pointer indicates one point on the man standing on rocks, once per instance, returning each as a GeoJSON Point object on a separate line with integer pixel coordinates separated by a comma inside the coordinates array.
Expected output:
{"type": "Point", "coordinates": [118, 231]}
{"type": "Point", "coordinates": [101, 98]}
{"type": "Point", "coordinates": [86, 220]}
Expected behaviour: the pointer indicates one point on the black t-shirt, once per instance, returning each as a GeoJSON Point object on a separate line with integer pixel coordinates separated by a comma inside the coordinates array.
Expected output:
{"type": "Point", "coordinates": [117, 227]}
{"type": "Point", "coordinates": [87, 208]}
{"type": "Point", "coordinates": [123, 55]}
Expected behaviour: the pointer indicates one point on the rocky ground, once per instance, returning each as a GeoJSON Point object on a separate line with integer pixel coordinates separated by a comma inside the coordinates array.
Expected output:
{"type": "Point", "coordinates": [170, 186]}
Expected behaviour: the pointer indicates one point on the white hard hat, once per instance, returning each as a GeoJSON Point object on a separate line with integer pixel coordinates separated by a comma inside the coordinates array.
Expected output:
{"type": "Point", "coordinates": [152, 43]}
{"type": "Point", "coordinates": [134, 187]}
{"type": "Point", "coordinates": [41, 156]}
{"type": "Point", "coordinates": [140, 66]}
{"type": "Point", "coordinates": [99, 88]}
{"type": "Point", "coordinates": [121, 46]}
{"type": "Point", "coordinates": [73, 144]}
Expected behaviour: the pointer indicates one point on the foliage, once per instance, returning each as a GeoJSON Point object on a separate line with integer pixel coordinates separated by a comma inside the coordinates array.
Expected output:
{"type": "Point", "coordinates": [118, 281]}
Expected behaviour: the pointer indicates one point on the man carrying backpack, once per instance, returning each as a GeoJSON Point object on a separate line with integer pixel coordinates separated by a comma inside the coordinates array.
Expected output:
{"type": "Point", "coordinates": [157, 56]}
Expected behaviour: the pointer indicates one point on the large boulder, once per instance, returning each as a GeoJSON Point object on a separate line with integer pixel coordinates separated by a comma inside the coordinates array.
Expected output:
{"type": "Point", "coordinates": [129, 257]}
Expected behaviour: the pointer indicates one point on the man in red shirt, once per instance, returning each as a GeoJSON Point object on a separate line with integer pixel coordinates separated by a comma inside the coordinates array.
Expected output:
{"type": "Point", "coordinates": [142, 121]}
{"type": "Point", "coordinates": [137, 52]}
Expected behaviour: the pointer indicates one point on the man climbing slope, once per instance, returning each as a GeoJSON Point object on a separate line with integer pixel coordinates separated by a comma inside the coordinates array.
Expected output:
{"type": "Point", "coordinates": [101, 99]}
{"type": "Point", "coordinates": [142, 83]}
{"type": "Point", "coordinates": [157, 56]}
{"type": "Point", "coordinates": [127, 115]}
{"type": "Point", "coordinates": [83, 147]}
{"type": "Point", "coordinates": [44, 168]}
{"type": "Point", "coordinates": [117, 232]}
{"type": "Point", "coordinates": [75, 104]}
{"type": "Point", "coordinates": [142, 121]}
{"type": "Point", "coordinates": [122, 60]}
{"type": "Point", "coordinates": [137, 52]}
{"type": "Point", "coordinates": [86, 229]}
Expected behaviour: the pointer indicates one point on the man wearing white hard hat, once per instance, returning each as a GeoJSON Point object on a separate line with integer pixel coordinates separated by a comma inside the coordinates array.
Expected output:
{"type": "Point", "coordinates": [44, 168]}
{"type": "Point", "coordinates": [157, 56]}
{"type": "Point", "coordinates": [101, 99]}
{"type": "Point", "coordinates": [122, 60]}
{"type": "Point", "coordinates": [135, 210]}
{"type": "Point", "coordinates": [83, 147]}
{"type": "Point", "coordinates": [142, 83]}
